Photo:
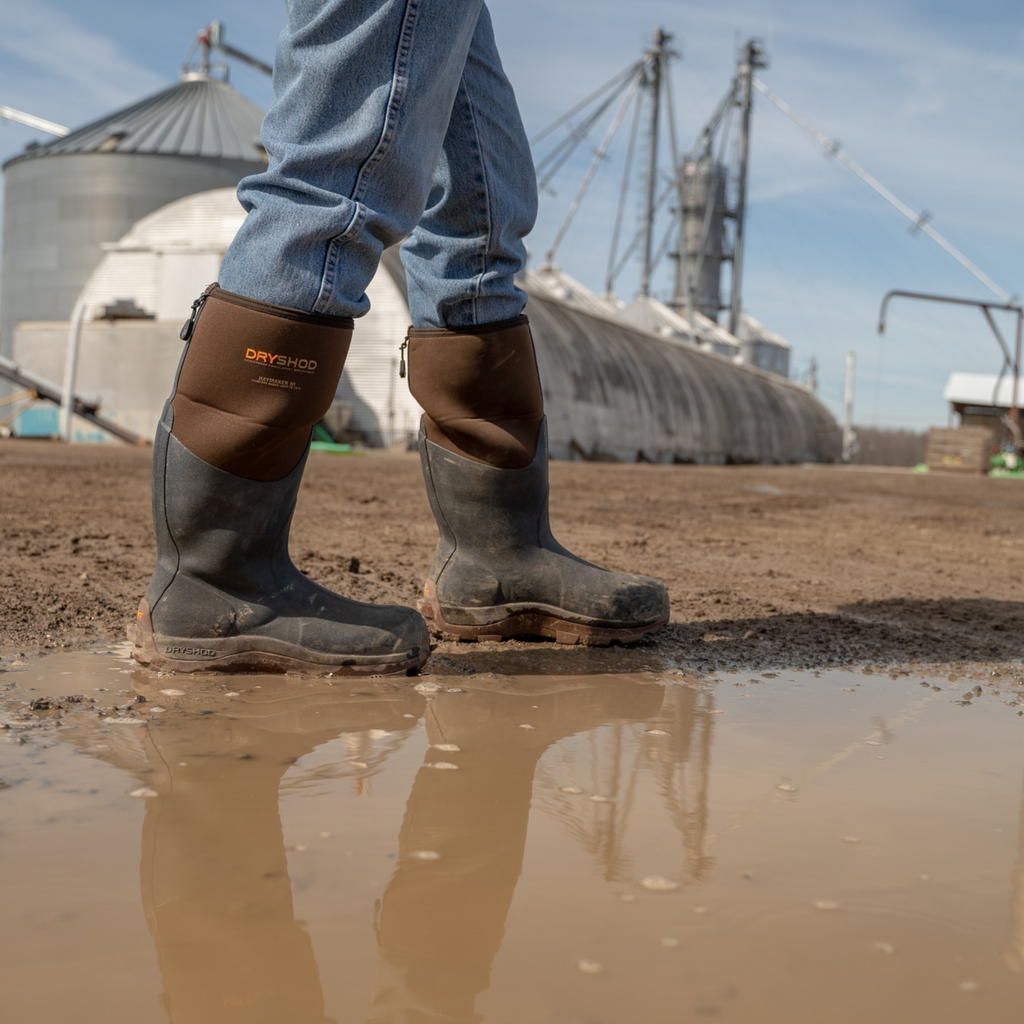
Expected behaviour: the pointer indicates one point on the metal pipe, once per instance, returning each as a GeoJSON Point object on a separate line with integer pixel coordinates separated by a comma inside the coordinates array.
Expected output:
{"type": "Point", "coordinates": [752, 57]}
{"type": "Point", "coordinates": [1014, 412]}
{"type": "Point", "coordinates": [627, 172]}
{"type": "Point", "coordinates": [849, 438]}
{"type": "Point", "coordinates": [215, 37]}
{"type": "Point", "coordinates": [11, 371]}
{"type": "Point", "coordinates": [628, 74]}
{"type": "Point", "coordinates": [595, 163]}
{"type": "Point", "coordinates": [986, 309]}
{"type": "Point", "coordinates": [656, 56]}
{"type": "Point", "coordinates": [919, 220]}
{"type": "Point", "coordinates": [898, 293]}
{"type": "Point", "coordinates": [67, 401]}
{"type": "Point", "coordinates": [50, 127]}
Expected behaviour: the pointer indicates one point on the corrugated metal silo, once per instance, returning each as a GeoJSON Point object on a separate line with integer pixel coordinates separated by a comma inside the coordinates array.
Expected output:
{"type": "Point", "coordinates": [704, 212]}
{"type": "Point", "coordinates": [65, 199]}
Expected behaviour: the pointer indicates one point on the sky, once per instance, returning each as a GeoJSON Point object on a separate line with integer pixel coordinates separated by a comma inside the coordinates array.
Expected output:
{"type": "Point", "coordinates": [926, 95]}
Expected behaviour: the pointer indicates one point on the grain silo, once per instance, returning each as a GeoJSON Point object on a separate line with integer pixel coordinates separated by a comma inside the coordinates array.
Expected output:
{"type": "Point", "coordinates": [703, 230]}
{"type": "Point", "coordinates": [65, 200]}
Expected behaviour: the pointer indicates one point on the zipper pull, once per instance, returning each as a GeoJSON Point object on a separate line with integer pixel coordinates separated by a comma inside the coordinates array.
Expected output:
{"type": "Point", "coordinates": [401, 358]}
{"type": "Point", "coordinates": [190, 324]}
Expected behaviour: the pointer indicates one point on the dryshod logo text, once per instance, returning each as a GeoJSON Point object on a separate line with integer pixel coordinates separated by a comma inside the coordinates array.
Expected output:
{"type": "Point", "coordinates": [280, 362]}
{"type": "Point", "coordinates": [200, 652]}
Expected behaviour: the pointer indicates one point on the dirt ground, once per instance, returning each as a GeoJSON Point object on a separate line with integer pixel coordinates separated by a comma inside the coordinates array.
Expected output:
{"type": "Point", "coordinates": [768, 567]}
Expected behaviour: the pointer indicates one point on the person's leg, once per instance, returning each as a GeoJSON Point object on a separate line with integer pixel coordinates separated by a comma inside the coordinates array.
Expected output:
{"type": "Point", "coordinates": [497, 572]}
{"type": "Point", "coordinates": [363, 94]}
{"type": "Point", "coordinates": [462, 258]}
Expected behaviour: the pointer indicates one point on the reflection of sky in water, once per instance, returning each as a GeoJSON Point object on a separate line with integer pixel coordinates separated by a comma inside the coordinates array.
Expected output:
{"type": "Point", "coordinates": [599, 848]}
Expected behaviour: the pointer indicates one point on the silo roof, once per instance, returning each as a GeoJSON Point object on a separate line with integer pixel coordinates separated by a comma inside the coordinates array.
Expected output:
{"type": "Point", "coordinates": [198, 116]}
{"type": "Point", "coordinates": [647, 312]}
{"type": "Point", "coordinates": [549, 279]}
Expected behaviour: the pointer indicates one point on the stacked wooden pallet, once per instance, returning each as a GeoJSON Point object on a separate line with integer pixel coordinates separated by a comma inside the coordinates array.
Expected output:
{"type": "Point", "coordinates": [959, 449]}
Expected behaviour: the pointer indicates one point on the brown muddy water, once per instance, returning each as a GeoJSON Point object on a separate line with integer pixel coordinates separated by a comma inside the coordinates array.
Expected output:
{"type": "Point", "coordinates": [603, 849]}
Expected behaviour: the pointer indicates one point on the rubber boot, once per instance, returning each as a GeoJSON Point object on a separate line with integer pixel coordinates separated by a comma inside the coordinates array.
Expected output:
{"type": "Point", "coordinates": [497, 571]}
{"type": "Point", "coordinates": [228, 459]}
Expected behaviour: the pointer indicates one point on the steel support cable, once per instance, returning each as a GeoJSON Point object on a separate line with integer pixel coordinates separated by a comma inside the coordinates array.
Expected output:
{"type": "Point", "coordinates": [677, 179]}
{"type": "Point", "coordinates": [709, 129]}
{"type": "Point", "coordinates": [632, 70]}
{"type": "Point", "coordinates": [561, 153]}
{"type": "Point", "coordinates": [640, 234]}
{"type": "Point", "coordinates": [623, 192]}
{"type": "Point", "coordinates": [660, 85]}
{"type": "Point", "coordinates": [595, 163]}
{"type": "Point", "coordinates": [682, 185]}
{"type": "Point", "coordinates": [666, 240]}
{"type": "Point", "coordinates": [673, 144]}
{"type": "Point", "coordinates": [919, 220]}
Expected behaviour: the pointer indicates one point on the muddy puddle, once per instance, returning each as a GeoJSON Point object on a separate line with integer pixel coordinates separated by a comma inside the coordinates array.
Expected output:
{"type": "Point", "coordinates": [469, 847]}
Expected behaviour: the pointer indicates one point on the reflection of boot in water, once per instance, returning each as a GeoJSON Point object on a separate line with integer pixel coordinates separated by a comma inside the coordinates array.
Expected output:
{"type": "Point", "coordinates": [218, 898]}
{"type": "Point", "coordinates": [215, 883]}
{"type": "Point", "coordinates": [1013, 950]}
{"type": "Point", "coordinates": [442, 920]}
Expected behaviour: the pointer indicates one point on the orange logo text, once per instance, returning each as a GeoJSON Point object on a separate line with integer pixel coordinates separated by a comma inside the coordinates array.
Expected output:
{"type": "Point", "coordinates": [253, 355]}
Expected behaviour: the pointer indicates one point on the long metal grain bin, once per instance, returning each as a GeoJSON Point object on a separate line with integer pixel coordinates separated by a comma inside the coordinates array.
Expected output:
{"type": "Point", "coordinates": [615, 391]}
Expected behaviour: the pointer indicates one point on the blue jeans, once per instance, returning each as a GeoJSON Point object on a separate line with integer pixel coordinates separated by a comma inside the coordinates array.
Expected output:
{"type": "Point", "coordinates": [391, 119]}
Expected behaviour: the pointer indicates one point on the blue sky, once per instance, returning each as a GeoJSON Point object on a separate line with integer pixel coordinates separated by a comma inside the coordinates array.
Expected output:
{"type": "Point", "coordinates": [927, 96]}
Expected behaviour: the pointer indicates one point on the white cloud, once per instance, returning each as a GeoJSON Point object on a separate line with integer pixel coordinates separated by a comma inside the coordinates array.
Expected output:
{"type": "Point", "coordinates": [56, 67]}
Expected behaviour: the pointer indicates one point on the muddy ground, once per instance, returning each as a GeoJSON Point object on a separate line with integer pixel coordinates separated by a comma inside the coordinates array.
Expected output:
{"type": "Point", "coordinates": [768, 567]}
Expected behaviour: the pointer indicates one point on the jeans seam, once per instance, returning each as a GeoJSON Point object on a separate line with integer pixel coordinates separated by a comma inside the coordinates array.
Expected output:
{"type": "Point", "coordinates": [399, 87]}
{"type": "Point", "coordinates": [484, 193]}
{"type": "Point", "coordinates": [333, 257]}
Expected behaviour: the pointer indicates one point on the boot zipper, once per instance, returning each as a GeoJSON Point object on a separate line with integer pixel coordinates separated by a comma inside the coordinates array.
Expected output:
{"type": "Point", "coordinates": [401, 357]}
{"type": "Point", "coordinates": [197, 307]}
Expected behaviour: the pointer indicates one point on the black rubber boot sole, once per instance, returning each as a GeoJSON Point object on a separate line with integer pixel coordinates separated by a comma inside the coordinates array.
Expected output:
{"type": "Point", "coordinates": [509, 622]}
{"type": "Point", "coordinates": [256, 654]}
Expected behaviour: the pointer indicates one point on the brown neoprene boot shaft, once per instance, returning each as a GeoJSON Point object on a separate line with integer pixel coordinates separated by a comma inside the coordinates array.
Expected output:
{"type": "Point", "coordinates": [253, 380]}
{"type": "Point", "coordinates": [480, 390]}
